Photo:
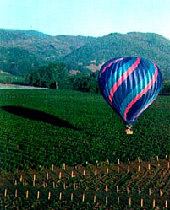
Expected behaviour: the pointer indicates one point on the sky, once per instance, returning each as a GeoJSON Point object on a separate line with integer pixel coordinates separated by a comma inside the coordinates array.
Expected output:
{"type": "Point", "coordinates": [86, 17]}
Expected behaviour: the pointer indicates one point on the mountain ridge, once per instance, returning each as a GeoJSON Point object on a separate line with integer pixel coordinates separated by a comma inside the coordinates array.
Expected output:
{"type": "Point", "coordinates": [24, 50]}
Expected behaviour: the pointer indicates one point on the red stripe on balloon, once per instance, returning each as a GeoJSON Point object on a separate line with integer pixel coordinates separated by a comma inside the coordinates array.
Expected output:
{"type": "Point", "coordinates": [142, 110]}
{"type": "Point", "coordinates": [141, 93]}
{"type": "Point", "coordinates": [122, 78]}
{"type": "Point", "coordinates": [104, 69]}
{"type": "Point", "coordinates": [119, 59]}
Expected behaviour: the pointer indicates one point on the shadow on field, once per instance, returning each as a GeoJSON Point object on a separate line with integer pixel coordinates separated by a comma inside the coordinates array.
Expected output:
{"type": "Point", "coordinates": [37, 115]}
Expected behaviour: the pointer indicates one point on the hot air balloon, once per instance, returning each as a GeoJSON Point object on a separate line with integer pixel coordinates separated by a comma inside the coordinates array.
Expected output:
{"type": "Point", "coordinates": [129, 85]}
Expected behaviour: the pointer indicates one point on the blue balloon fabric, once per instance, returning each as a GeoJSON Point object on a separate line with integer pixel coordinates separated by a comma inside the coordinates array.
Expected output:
{"type": "Point", "coordinates": [129, 85]}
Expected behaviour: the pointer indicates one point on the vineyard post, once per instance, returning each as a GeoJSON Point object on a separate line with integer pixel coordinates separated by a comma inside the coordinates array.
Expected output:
{"type": "Point", "coordinates": [130, 201]}
{"type": "Point", "coordinates": [20, 179]}
{"type": "Point", "coordinates": [5, 193]}
{"type": "Point", "coordinates": [52, 167]}
{"type": "Point", "coordinates": [83, 197]}
{"type": "Point", "coordinates": [16, 193]}
{"type": "Point", "coordinates": [38, 194]}
{"type": "Point", "coordinates": [106, 200]}
{"type": "Point", "coordinates": [27, 194]}
{"type": "Point", "coordinates": [118, 169]}
{"type": "Point", "coordinates": [141, 202]}
{"type": "Point", "coordinates": [64, 166]}
{"type": "Point", "coordinates": [153, 203]}
{"type": "Point", "coordinates": [94, 198]}
{"type": "Point", "coordinates": [47, 176]}
{"type": "Point", "coordinates": [60, 196]}
{"type": "Point", "coordinates": [72, 196]}
{"type": "Point", "coordinates": [149, 166]}
{"type": "Point", "coordinates": [60, 175]}
{"type": "Point", "coordinates": [34, 180]}
{"type": "Point", "coordinates": [49, 195]}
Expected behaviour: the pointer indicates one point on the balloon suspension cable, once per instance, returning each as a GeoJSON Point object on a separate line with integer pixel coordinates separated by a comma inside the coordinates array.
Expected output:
{"type": "Point", "coordinates": [129, 129]}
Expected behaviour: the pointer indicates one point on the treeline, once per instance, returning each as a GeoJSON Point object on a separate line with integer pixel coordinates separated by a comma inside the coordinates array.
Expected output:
{"type": "Point", "coordinates": [56, 76]}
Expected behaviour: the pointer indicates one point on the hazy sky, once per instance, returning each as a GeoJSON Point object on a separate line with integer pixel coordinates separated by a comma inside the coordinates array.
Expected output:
{"type": "Point", "coordinates": [86, 17]}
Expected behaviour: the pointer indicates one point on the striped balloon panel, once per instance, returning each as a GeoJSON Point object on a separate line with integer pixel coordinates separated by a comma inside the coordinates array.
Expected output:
{"type": "Point", "coordinates": [129, 85]}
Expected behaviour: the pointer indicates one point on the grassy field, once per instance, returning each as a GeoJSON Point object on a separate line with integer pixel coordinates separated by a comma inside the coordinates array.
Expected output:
{"type": "Point", "coordinates": [44, 127]}
{"type": "Point", "coordinates": [42, 130]}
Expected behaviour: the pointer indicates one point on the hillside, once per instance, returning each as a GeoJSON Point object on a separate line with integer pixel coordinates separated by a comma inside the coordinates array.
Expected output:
{"type": "Point", "coordinates": [148, 45]}
{"type": "Point", "coordinates": [20, 51]}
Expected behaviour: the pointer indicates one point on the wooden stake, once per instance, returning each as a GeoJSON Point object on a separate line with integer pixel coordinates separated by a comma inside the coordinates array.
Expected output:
{"type": "Point", "coordinates": [60, 175]}
{"type": "Point", "coordinates": [141, 202]}
{"type": "Point", "coordinates": [26, 194]}
{"type": "Point", "coordinates": [118, 161]}
{"type": "Point", "coordinates": [49, 195]}
{"type": "Point", "coordinates": [64, 185]}
{"type": "Point", "coordinates": [118, 200]}
{"type": "Point", "coordinates": [5, 193]}
{"type": "Point", "coordinates": [153, 203]}
{"type": "Point", "coordinates": [53, 184]}
{"type": "Point", "coordinates": [166, 203]}
{"type": "Point", "coordinates": [16, 193]}
{"type": "Point", "coordinates": [128, 191]}
{"type": "Point", "coordinates": [168, 165]}
{"type": "Point", "coordinates": [117, 189]}
{"type": "Point", "coordinates": [72, 174]}
{"type": "Point", "coordinates": [94, 198]}
{"type": "Point", "coordinates": [83, 197]}
{"type": "Point", "coordinates": [150, 191]}
{"type": "Point", "coordinates": [47, 176]}
{"type": "Point", "coordinates": [34, 183]}
{"type": "Point", "coordinates": [34, 178]}
{"type": "Point", "coordinates": [107, 170]}
{"type": "Point", "coordinates": [64, 166]}
{"type": "Point", "coordinates": [106, 188]}
{"type": "Point", "coordinates": [60, 197]}
{"type": "Point", "coordinates": [161, 193]}
{"type": "Point", "coordinates": [52, 167]}
{"type": "Point", "coordinates": [130, 201]}
{"type": "Point", "coordinates": [149, 166]}
{"type": "Point", "coordinates": [72, 196]}
{"type": "Point", "coordinates": [157, 159]}
{"type": "Point", "coordinates": [95, 172]}
{"type": "Point", "coordinates": [38, 194]}
{"type": "Point", "coordinates": [84, 172]}
{"type": "Point", "coordinates": [20, 179]}
{"type": "Point", "coordinates": [139, 167]}
{"type": "Point", "coordinates": [106, 200]}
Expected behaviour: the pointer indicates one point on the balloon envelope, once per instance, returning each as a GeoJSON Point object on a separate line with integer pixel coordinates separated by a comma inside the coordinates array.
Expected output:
{"type": "Point", "coordinates": [129, 85]}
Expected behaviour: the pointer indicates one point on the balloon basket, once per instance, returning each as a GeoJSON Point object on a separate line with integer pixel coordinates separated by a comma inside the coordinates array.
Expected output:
{"type": "Point", "coordinates": [129, 131]}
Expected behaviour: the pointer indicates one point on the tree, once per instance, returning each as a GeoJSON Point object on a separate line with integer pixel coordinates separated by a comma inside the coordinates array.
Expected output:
{"type": "Point", "coordinates": [50, 76]}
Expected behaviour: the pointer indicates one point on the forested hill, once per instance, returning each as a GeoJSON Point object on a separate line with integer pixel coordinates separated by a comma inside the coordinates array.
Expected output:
{"type": "Point", "coordinates": [147, 45]}
{"type": "Point", "coordinates": [20, 51]}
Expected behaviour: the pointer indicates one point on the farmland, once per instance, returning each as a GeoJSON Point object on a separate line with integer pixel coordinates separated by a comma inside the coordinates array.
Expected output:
{"type": "Point", "coordinates": [41, 128]}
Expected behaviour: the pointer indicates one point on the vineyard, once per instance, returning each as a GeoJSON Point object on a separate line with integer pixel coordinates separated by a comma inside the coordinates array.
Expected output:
{"type": "Point", "coordinates": [69, 150]}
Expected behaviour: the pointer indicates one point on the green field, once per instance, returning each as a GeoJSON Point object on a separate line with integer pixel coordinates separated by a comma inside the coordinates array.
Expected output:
{"type": "Point", "coordinates": [42, 130]}
{"type": "Point", "coordinates": [44, 127]}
